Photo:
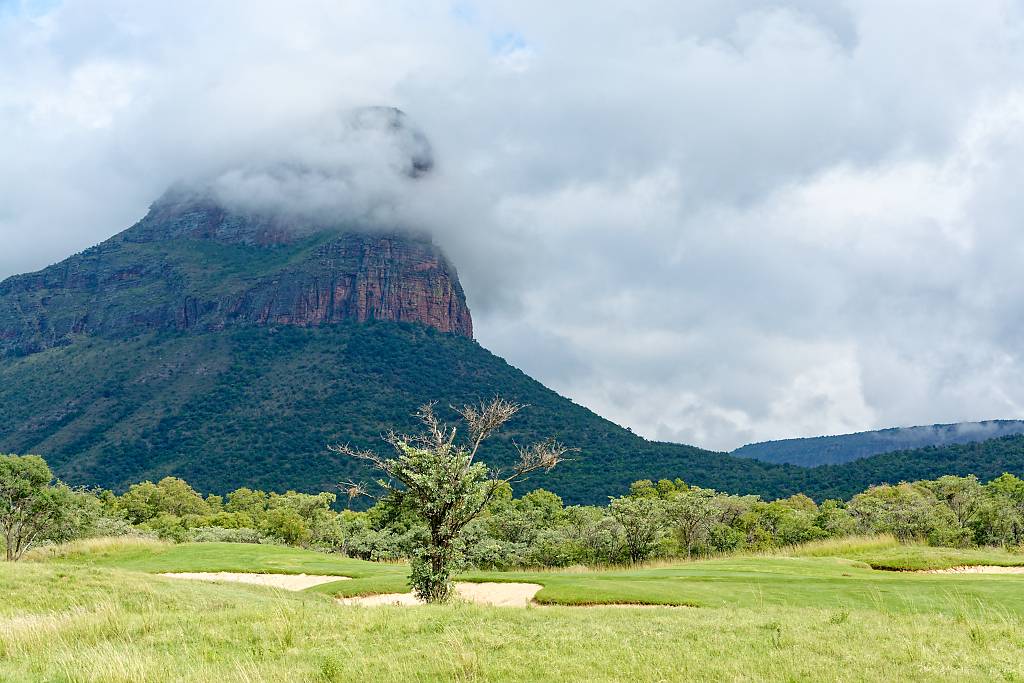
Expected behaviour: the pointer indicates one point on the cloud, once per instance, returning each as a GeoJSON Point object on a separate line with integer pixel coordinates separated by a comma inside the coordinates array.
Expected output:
{"type": "Point", "coordinates": [715, 221]}
{"type": "Point", "coordinates": [352, 167]}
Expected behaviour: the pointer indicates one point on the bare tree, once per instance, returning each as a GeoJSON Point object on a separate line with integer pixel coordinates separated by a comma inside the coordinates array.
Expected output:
{"type": "Point", "coordinates": [438, 475]}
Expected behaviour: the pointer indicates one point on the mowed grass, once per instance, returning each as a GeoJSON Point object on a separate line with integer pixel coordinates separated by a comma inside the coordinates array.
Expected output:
{"type": "Point", "coordinates": [837, 574]}
{"type": "Point", "coordinates": [95, 612]}
{"type": "Point", "coordinates": [809, 576]}
{"type": "Point", "coordinates": [157, 557]}
{"type": "Point", "coordinates": [917, 558]}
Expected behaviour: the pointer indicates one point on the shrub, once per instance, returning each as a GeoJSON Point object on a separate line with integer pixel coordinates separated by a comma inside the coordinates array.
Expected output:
{"type": "Point", "coordinates": [215, 534]}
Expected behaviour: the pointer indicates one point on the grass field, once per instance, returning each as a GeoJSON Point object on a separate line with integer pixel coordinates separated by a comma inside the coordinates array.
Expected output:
{"type": "Point", "coordinates": [95, 612]}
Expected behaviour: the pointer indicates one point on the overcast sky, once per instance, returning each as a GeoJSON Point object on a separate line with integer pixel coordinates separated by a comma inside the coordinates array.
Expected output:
{"type": "Point", "coordinates": [713, 221]}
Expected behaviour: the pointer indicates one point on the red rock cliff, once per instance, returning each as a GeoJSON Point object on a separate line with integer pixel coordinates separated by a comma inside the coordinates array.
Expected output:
{"type": "Point", "coordinates": [197, 266]}
{"type": "Point", "coordinates": [364, 277]}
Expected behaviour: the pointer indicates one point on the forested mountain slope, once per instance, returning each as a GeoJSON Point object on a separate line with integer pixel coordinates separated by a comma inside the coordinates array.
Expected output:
{"type": "Point", "coordinates": [826, 450]}
{"type": "Point", "coordinates": [231, 348]}
{"type": "Point", "coordinates": [257, 406]}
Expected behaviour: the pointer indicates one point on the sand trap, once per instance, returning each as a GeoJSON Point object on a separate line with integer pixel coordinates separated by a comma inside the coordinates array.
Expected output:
{"type": "Point", "coordinates": [494, 594]}
{"type": "Point", "coordinates": [622, 605]}
{"type": "Point", "coordinates": [976, 569]}
{"type": "Point", "coordinates": [404, 599]}
{"type": "Point", "coordinates": [289, 582]}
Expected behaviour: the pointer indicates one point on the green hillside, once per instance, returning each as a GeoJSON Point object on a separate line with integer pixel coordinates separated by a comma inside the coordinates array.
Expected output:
{"type": "Point", "coordinates": [834, 450]}
{"type": "Point", "coordinates": [257, 406]}
{"type": "Point", "coordinates": [986, 459]}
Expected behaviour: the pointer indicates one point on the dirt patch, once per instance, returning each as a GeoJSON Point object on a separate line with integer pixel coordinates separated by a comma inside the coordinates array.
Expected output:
{"type": "Point", "coordinates": [976, 569]}
{"type": "Point", "coordinates": [289, 582]}
{"type": "Point", "coordinates": [494, 594]}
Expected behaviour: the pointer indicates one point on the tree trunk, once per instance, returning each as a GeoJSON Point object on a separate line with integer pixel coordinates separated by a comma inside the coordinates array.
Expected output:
{"type": "Point", "coordinates": [431, 570]}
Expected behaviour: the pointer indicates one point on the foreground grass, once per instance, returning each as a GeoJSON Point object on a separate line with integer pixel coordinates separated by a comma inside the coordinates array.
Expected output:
{"type": "Point", "coordinates": [94, 611]}
{"type": "Point", "coordinates": [76, 622]}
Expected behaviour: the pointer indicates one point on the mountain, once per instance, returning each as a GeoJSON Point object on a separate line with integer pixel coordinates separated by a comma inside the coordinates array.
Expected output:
{"type": "Point", "coordinates": [986, 459]}
{"type": "Point", "coordinates": [192, 265]}
{"type": "Point", "coordinates": [827, 450]}
{"type": "Point", "coordinates": [230, 348]}
{"type": "Point", "coordinates": [258, 405]}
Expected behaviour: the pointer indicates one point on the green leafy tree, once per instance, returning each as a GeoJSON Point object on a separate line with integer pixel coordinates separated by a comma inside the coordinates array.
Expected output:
{"type": "Point", "coordinates": [544, 507]}
{"type": "Point", "coordinates": [835, 520]}
{"type": "Point", "coordinates": [170, 496]}
{"type": "Point", "coordinates": [314, 514]}
{"type": "Point", "coordinates": [31, 510]}
{"type": "Point", "coordinates": [438, 475]}
{"type": "Point", "coordinates": [287, 524]}
{"type": "Point", "coordinates": [642, 520]}
{"type": "Point", "coordinates": [141, 502]}
{"type": "Point", "coordinates": [1005, 513]}
{"type": "Point", "coordinates": [1010, 486]}
{"type": "Point", "coordinates": [904, 510]}
{"type": "Point", "coordinates": [644, 488]}
{"type": "Point", "coordinates": [964, 496]}
{"type": "Point", "coordinates": [693, 513]}
{"type": "Point", "coordinates": [178, 498]}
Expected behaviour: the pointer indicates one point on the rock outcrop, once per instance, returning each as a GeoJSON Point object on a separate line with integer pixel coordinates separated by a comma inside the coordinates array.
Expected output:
{"type": "Point", "coordinates": [192, 264]}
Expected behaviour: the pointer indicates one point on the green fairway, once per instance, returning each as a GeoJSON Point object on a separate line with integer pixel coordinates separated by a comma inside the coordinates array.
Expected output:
{"type": "Point", "coordinates": [918, 557]}
{"type": "Point", "coordinates": [806, 580]}
{"type": "Point", "coordinates": [93, 611]}
{"type": "Point", "coordinates": [825, 583]}
{"type": "Point", "coordinates": [156, 557]}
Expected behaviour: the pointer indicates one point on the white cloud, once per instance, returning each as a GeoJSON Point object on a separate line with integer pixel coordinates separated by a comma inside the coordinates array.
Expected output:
{"type": "Point", "coordinates": [715, 221]}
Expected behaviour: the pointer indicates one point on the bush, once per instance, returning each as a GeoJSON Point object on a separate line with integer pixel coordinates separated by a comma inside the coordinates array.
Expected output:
{"type": "Point", "coordinates": [216, 534]}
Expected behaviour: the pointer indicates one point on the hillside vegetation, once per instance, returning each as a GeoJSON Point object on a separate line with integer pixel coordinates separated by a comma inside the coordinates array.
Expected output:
{"type": "Point", "coordinates": [831, 450]}
{"type": "Point", "coordinates": [257, 406]}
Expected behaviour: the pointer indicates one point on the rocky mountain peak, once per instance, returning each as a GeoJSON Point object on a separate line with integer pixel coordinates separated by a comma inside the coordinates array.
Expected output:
{"type": "Point", "coordinates": [191, 263]}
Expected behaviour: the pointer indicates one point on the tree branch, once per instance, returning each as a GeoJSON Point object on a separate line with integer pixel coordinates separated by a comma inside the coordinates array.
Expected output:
{"type": "Point", "coordinates": [486, 418]}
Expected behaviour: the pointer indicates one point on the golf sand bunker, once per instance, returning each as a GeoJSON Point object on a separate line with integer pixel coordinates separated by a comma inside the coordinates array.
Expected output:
{"type": "Point", "coordinates": [494, 594]}
{"type": "Point", "coordinates": [976, 569]}
{"type": "Point", "coordinates": [289, 582]}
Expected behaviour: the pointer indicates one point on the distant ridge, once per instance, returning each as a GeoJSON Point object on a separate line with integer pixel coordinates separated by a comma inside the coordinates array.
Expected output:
{"type": "Point", "coordinates": [832, 450]}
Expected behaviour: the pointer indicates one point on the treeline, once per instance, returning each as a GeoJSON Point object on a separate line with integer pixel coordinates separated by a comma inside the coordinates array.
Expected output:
{"type": "Point", "coordinates": [662, 519]}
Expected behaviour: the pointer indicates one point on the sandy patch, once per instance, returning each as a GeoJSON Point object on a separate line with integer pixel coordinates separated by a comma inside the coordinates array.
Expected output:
{"type": "Point", "coordinates": [404, 599]}
{"type": "Point", "coordinates": [621, 605]}
{"type": "Point", "coordinates": [289, 582]}
{"type": "Point", "coordinates": [976, 569]}
{"type": "Point", "coordinates": [494, 594]}
{"type": "Point", "coordinates": [498, 594]}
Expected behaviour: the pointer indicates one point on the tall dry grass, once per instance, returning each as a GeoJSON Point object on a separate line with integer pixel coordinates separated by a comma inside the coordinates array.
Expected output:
{"type": "Point", "coordinates": [86, 547]}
